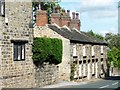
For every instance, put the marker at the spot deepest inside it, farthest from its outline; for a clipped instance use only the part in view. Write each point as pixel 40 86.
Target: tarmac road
pixel 111 83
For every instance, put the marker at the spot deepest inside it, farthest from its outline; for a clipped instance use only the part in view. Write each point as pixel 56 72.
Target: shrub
pixel 47 50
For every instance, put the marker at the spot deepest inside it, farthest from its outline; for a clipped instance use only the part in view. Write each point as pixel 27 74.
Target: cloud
pixel 93 5
pixel 104 14
pixel 111 30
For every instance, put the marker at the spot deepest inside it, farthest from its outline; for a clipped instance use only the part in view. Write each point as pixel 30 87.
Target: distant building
pixel 87 53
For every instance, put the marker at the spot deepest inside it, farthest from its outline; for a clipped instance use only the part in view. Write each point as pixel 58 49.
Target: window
pixel 2 7
pixel 93 51
pixel 102 66
pixel 84 54
pixel 84 68
pixel 80 68
pixel 19 51
pixel 74 50
pixel 93 67
pixel 101 49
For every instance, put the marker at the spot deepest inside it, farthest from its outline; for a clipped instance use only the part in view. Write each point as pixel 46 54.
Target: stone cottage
pixel 16 38
pixel 87 53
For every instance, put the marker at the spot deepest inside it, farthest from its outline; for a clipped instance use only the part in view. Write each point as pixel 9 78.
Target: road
pixel 111 82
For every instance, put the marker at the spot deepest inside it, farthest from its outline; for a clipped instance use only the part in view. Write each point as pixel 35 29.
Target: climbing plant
pixel 73 68
pixel 47 50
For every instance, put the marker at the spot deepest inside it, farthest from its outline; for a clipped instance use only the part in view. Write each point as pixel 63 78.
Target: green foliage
pixel 48 6
pixel 113 41
pixel 73 68
pixel 47 50
pixel 114 48
pixel 95 35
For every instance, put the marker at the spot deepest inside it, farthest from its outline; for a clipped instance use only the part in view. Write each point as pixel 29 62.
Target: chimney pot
pixel 77 15
pixel 73 15
pixel 68 12
pixel 58 9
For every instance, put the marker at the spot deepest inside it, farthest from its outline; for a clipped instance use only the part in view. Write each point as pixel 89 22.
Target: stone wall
pixel 16 74
pixel 46 74
pixel 64 67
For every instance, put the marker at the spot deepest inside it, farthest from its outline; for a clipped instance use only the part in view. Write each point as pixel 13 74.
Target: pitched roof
pixel 75 36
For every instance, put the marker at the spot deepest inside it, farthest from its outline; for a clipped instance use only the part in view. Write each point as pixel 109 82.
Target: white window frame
pixel 80 70
pixel 84 50
pixel 84 69
pixel 96 67
pixel 101 49
pixel 93 52
pixel 74 50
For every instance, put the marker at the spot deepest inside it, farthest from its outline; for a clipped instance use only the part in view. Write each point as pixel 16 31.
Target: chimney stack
pixel 77 15
pixel 73 15
pixel 68 12
pixel 58 9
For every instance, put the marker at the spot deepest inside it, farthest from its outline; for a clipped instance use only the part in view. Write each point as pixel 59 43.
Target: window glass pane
pixel 15 52
pixel 2 9
pixel 23 51
pixel 84 51
pixel 101 49
pixel 19 52
pixel 74 50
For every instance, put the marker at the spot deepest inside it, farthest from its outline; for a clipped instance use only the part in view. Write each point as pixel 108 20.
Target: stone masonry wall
pixel 64 67
pixel 16 74
pixel 89 60
pixel 46 74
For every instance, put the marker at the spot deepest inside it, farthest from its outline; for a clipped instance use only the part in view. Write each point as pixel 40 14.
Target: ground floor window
pixel 93 67
pixel 102 66
pixel 19 51
pixel 84 68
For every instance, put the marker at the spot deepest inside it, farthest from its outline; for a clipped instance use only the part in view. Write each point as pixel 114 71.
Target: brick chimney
pixel 58 9
pixel 41 18
pixel 75 21
pixel 73 15
pixel 55 18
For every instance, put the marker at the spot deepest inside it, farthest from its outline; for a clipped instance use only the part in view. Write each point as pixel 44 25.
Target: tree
pixel 95 35
pixel 114 48
pixel 113 41
pixel 48 6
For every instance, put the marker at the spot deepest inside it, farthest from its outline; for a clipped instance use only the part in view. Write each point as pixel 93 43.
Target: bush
pixel 47 50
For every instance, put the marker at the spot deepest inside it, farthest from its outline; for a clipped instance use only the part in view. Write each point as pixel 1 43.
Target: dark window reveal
pixel 19 51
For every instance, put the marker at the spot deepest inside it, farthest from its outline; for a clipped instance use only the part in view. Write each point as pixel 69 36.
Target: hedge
pixel 47 50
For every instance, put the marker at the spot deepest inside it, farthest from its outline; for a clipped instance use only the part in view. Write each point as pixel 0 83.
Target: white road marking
pixel 115 83
pixel 105 86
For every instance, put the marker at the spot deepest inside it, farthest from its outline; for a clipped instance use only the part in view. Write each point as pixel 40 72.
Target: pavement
pixel 109 82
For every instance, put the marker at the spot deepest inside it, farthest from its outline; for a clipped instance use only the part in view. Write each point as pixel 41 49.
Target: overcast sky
pixel 99 15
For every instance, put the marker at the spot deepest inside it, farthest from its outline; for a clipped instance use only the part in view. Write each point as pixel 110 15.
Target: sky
pixel 100 16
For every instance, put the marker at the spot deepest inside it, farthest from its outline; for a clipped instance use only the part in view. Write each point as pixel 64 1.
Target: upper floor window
pixel 101 49
pixel 93 51
pixel 84 50
pixel 74 51
pixel 2 7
